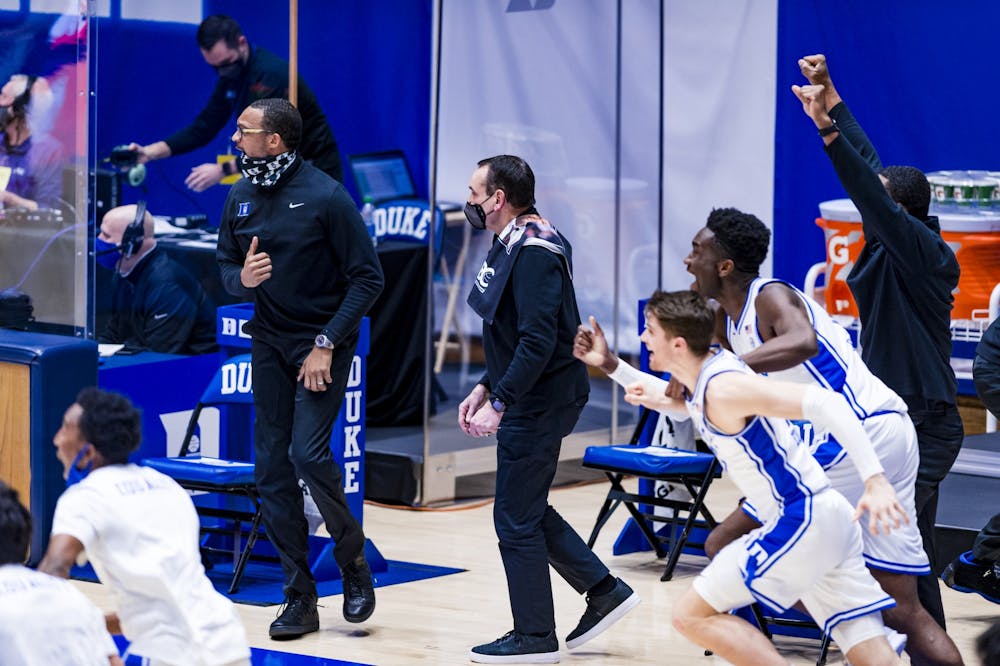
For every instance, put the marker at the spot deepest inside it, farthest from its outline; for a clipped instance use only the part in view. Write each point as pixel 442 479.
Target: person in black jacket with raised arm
pixel 292 240
pixel 902 283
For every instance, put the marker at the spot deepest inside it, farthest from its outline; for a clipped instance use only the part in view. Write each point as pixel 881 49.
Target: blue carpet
pixel 260 657
pixel 262 585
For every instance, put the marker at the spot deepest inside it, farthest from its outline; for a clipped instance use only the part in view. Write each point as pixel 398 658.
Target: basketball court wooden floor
pixel 436 621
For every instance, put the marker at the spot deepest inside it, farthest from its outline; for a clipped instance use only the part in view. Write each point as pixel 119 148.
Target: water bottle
pixel 368 215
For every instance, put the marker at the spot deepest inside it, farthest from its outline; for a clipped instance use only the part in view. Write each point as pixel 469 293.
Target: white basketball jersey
pixel 767 460
pixel 140 531
pixel 837 366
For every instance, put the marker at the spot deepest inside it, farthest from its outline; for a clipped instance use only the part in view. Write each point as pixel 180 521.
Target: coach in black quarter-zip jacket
pixel 902 282
pixel 292 239
pixel 531 397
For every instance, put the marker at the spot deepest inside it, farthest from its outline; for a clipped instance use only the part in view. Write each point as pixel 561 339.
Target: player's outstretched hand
pixel 885 513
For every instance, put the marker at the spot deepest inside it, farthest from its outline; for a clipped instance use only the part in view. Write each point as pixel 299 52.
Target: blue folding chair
pixel 792 622
pixel 231 385
pixel 694 470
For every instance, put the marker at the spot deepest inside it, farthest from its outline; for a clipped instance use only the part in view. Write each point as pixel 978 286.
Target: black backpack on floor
pixel 15 309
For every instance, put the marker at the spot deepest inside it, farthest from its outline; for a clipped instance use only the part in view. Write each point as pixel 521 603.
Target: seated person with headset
pixel 34 160
pixel 157 304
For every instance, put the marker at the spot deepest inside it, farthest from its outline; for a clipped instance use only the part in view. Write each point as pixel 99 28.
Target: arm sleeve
pixel 205 125
pixel 353 251
pixel 537 284
pixel 851 129
pixel 485 380
pixel 831 411
pixel 112 331
pixel 626 375
pixel 911 244
pixel 229 254
pixel 118 329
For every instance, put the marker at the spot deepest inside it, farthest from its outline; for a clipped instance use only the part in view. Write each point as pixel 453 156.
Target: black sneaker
pixel 965 574
pixel 296 617
pixel 515 648
pixel 602 612
pixel 359 593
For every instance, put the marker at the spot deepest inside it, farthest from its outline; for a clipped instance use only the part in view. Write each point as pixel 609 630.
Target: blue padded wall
pixel 919 76
pixel 59 367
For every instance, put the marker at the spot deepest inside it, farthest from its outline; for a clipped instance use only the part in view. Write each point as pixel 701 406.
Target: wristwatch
pixel 498 405
pixel 324 342
pixel 827 131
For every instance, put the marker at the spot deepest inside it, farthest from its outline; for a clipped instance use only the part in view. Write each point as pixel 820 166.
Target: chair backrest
pixel 640 425
pixel 409 221
pixel 231 384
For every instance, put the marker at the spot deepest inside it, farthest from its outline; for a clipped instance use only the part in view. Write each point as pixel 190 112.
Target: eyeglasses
pixel 240 131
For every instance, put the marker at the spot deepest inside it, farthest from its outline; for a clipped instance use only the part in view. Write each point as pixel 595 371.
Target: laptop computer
pixel 384 176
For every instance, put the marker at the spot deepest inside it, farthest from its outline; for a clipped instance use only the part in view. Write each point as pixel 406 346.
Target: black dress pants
pixel 292 430
pixel 532 534
pixel 939 438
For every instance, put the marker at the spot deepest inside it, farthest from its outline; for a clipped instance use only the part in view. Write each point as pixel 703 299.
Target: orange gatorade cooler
pixel 973 235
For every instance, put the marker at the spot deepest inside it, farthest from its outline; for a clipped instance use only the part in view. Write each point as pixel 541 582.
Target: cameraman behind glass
pixel 246 74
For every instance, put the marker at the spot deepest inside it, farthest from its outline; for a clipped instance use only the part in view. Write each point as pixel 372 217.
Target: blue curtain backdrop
pixel 368 63
pixel 919 75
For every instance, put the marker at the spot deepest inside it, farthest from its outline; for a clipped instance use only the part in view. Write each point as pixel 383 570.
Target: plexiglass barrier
pixel 44 114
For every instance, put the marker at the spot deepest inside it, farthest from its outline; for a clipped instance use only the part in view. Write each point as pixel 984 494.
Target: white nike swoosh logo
pixel 291 205
pixel 161 315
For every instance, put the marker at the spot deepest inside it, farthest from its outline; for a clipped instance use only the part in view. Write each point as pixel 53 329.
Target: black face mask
pixel 475 214
pixel 232 71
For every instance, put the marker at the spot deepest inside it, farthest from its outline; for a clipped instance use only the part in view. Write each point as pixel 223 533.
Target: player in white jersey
pixel 139 529
pixel 808 547
pixel 778 330
pixel 44 621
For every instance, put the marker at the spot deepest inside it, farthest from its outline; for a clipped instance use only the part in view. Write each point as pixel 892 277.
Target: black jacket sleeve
pixel 851 130
pixel 353 251
pixel 911 244
pixel 537 289
pixel 117 328
pixel 112 331
pixel 229 254
pixel 206 124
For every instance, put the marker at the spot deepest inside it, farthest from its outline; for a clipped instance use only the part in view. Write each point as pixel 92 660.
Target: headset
pixel 21 102
pixel 135 233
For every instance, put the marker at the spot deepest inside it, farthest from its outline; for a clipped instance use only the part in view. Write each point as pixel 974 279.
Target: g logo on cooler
pixel 837 250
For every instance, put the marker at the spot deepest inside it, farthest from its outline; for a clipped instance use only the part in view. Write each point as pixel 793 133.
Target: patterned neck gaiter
pixel 265 171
